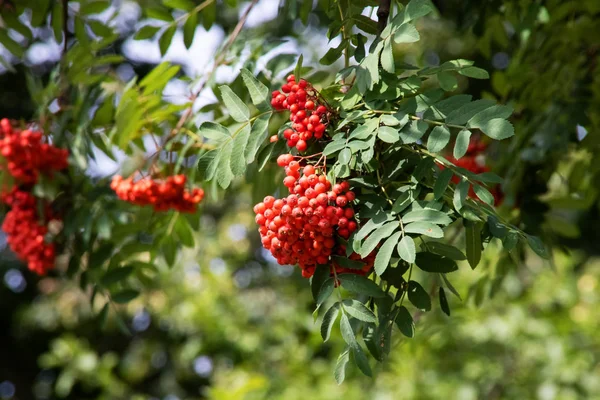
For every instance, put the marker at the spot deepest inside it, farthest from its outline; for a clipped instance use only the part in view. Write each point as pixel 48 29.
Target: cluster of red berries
pixel 474 161
pixel 25 158
pixel 26 155
pixel 302 227
pixel 25 235
pixel 161 195
pixel 309 118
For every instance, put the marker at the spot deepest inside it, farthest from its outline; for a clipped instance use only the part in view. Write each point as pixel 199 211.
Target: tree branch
pixel 383 13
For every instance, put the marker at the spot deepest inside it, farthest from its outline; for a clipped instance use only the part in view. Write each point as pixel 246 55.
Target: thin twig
pixel 218 61
pixel 383 12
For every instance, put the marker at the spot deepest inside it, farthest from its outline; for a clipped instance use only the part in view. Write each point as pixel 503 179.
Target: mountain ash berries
pixel 303 228
pixel 26 157
pixel 308 115
pixel 161 195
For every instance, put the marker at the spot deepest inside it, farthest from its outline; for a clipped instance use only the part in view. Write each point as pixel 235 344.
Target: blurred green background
pixel 227 323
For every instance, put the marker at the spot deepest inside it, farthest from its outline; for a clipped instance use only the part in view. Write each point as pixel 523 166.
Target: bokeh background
pixel 228 323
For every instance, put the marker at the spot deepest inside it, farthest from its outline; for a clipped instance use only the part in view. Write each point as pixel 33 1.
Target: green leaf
pixel 424 228
pixel 325 291
pixel 185 5
pixel 417 9
pixel 357 310
pixel 374 238
pixel 237 108
pixel 427 215
pixel 489 177
pixel 462 143
pixel 346 329
pixel 444 302
pixel 438 139
pixel 465 112
pixel 537 246
pixel 498 129
pixel 319 277
pixel 334 146
pixel 510 240
pixel 15 48
pixel 483 194
pixel 430 262
pixel 347 263
pixel 387 58
pixel 473 242
pixel 116 275
pixel 418 296
pixel 460 195
pixel 369 227
pixel 447 81
pixel 259 93
pixel 39 12
pixel 405 323
pixel 57 22
pixel 258 134
pixel 388 134
pixel 345 156
pixel 406 33
pixel 497 111
pixel 189 29
pixel 214 131
pixel 164 42
pixel 441 183
pixel 146 32
pixel 474 72
pixel 404 200
pixel 184 232
pixel 125 296
pixel 413 131
pixel 223 168
pixel 446 250
pixel 240 141
pixel 450 287
pixel 298 69
pixel 382 260
pixel 328 320
pixel 361 360
pixel 340 366
pixel 94 7
pixel 406 249
pixel 360 284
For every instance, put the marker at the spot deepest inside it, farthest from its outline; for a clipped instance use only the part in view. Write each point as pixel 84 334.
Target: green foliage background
pixel 526 328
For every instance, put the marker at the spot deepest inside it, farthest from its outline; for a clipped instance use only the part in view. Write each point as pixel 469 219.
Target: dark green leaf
pixel 361 360
pixel 418 296
pixel 116 275
pixel 189 29
pixel 360 284
pixel 473 242
pixel 441 183
pixel 450 287
pixel 537 246
pixel 510 241
pixel 460 195
pixel 446 250
pixel 484 194
pixel 430 262
pixel 348 263
pixel 405 322
pixel 165 39
pixel 466 111
pixel 444 302
pixel 125 296
pixel 447 81
pixel 146 32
